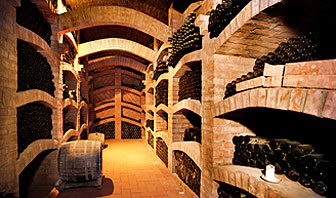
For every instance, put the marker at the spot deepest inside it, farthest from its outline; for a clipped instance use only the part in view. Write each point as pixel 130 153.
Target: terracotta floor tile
pixel 131 170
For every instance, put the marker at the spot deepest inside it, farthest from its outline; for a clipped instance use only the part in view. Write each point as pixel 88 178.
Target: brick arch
pixel 316 102
pixel 192 149
pixel 113 119
pixel 112 15
pixel 116 60
pixel 116 44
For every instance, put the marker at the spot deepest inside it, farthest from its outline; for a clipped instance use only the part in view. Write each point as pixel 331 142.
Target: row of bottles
pixel 223 14
pixel 299 162
pixel 150 124
pixel 107 128
pixel 161 68
pixel 130 131
pixel 193 134
pixel 34 71
pixel 161 93
pixel 188 171
pixel 162 150
pixel 30 17
pixel 185 40
pixel 190 84
pixel 303 48
pixel 33 123
pixel 227 191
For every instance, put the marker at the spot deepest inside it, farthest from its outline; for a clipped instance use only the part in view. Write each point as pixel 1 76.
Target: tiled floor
pixel 132 169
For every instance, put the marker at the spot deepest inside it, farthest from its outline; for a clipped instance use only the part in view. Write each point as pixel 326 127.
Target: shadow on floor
pixel 107 189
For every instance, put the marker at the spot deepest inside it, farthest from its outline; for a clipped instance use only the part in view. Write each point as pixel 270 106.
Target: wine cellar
pixel 200 98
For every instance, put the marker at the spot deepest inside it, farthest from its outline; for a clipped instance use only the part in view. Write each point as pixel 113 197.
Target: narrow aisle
pixel 132 169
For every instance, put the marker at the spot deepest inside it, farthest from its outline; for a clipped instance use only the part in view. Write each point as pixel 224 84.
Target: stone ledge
pixel 181 66
pixel 69 102
pixel 317 102
pixel 116 44
pixel 161 108
pixel 35 95
pixel 39 44
pixel 162 77
pixel 250 10
pixel 248 178
pixel 69 134
pixel 32 151
pixel 188 104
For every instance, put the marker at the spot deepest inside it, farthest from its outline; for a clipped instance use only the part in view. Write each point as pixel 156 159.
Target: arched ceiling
pixel 133 24
pixel 154 8
pixel 115 31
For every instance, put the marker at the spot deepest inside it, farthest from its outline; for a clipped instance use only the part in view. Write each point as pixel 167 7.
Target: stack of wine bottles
pixel 161 68
pixel 34 71
pixel 227 191
pixel 150 124
pixel 107 128
pixel 193 134
pixel 130 131
pixel 298 161
pixel 67 125
pixel 161 93
pixel 33 123
pixel 162 150
pixel 30 17
pixel 303 48
pixel 188 171
pixel 185 40
pixel 190 85
pixel 223 14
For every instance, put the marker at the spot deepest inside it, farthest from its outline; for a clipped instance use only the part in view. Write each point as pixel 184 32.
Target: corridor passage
pixel 132 169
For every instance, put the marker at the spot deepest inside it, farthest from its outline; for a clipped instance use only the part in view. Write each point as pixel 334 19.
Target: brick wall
pixel 8 70
pixel 180 123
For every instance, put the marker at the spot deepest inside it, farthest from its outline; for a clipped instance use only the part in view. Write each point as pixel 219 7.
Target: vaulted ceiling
pixel 115 31
pixel 157 9
pixel 154 8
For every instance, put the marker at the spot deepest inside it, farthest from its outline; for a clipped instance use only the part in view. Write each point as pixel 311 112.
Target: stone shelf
pixel 288 89
pixel 188 104
pixel 34 149
pixel 35 95
pixel 248 178
pixel 182 66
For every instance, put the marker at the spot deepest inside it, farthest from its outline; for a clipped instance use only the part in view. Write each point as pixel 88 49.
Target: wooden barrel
pixel 80 161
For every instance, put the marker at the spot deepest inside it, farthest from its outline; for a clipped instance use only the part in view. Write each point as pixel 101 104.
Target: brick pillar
pixel 8 86
pixel 117 108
